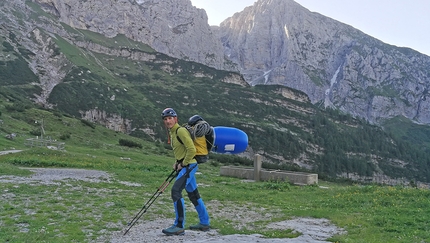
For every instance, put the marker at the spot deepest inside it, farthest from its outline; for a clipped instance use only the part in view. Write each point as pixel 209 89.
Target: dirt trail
pixel 9 151
pixel 313 231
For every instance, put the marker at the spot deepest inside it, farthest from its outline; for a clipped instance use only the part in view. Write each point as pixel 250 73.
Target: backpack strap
pixel 210 139
pixel 177 137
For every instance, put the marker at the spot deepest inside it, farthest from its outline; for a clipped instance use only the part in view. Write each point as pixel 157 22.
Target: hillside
pixel 272 42
pixel 92 189
pixel 123 85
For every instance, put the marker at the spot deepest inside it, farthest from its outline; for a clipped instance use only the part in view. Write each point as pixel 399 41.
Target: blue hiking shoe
pixel 199 226
pixel 174 230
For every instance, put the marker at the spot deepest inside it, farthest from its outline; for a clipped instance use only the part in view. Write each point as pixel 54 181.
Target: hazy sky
pixel 398 22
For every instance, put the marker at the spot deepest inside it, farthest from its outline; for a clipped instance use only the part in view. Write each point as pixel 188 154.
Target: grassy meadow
pixel 83 211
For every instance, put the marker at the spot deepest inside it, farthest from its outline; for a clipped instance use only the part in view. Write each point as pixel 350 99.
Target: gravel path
pixel 9 151
pixel 313 231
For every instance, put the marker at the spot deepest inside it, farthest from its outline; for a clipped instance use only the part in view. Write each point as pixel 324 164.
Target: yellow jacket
pixel 186 150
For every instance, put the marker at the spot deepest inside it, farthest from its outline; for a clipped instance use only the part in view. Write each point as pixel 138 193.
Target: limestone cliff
pixel 271 42
pixel 280 42
pixel 173 27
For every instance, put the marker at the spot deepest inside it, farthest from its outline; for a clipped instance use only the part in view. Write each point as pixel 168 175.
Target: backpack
pixel 202 135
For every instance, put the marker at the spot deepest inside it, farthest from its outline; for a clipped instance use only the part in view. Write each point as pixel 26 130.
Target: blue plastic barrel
pixel 229 140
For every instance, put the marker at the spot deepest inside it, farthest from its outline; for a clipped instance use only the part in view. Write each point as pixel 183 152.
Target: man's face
pixel 169 121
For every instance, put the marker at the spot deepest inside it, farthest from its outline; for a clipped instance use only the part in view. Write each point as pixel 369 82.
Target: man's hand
pixel 177 166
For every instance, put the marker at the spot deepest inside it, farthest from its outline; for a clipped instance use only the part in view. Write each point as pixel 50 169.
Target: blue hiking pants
pixel 186 180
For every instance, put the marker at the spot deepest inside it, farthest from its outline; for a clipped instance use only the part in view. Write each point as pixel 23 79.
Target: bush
pixel 16 107
pixel 88 123
pixel 129 143
pixel 36 132
pixel 65 136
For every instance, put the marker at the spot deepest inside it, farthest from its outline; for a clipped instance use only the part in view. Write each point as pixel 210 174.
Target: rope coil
pixel 200 129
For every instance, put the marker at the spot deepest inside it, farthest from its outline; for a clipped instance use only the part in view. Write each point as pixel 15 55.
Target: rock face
pixel 49 65
pixel 280 42
pixel 173 27
pixel 271 42
pixel 113 121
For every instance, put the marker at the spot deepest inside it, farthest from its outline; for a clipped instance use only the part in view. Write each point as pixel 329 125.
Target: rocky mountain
pixel 280 42
pixel 271 42
pixel 118 63
pixel 173 27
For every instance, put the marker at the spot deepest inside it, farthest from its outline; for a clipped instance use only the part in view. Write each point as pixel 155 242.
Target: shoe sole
pixel 175 233
pixel 200 229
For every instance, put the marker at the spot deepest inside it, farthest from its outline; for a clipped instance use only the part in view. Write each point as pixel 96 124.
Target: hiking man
pixel 186 166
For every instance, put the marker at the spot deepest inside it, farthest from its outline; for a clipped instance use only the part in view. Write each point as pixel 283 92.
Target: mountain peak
pixel 281 42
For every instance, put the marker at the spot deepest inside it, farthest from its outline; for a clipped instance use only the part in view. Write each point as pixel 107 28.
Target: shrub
pixel 16 107
pixel 88 123
pixel 57 114
pixel 129 143
pixel 36 132
pixel 65 136
pixel 276 185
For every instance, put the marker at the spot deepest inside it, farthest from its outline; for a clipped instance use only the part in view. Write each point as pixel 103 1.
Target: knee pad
pixel 176 196
pixel 194 196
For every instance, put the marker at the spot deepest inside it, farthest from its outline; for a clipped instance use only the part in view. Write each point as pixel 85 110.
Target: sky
pixel 404 23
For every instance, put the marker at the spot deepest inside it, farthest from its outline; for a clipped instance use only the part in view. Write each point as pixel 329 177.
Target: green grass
pixel 80 211
pixel 8 169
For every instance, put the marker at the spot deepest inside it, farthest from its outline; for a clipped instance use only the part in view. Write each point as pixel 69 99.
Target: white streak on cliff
pixel 327 101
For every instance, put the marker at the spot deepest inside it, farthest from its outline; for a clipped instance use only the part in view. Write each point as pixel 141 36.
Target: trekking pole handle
pixel 165 185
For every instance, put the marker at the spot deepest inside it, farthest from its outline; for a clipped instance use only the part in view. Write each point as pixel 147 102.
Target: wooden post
pixel 257 167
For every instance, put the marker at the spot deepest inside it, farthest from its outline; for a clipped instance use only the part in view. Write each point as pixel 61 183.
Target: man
pixel 186 166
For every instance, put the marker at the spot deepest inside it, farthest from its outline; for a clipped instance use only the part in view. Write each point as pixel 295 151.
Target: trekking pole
pixel 157 193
